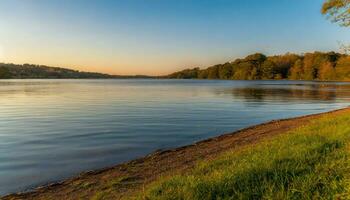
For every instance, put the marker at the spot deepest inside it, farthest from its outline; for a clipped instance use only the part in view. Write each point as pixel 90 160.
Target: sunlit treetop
pixel 338 11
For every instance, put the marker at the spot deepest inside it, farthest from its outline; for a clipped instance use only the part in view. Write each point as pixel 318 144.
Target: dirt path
pixel 125 179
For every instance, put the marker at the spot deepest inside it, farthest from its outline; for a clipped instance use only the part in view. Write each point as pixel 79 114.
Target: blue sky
pixel 159 36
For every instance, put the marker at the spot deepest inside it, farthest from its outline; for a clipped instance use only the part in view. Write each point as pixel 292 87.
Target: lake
pixel 55 129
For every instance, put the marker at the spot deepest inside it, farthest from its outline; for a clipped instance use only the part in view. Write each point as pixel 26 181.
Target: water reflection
pixel 31 87
pixel 291 93
pixel 53 129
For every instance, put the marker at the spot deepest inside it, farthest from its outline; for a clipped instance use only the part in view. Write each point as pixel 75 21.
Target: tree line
pixel 309 66
pixel 25 71
pixel 30 71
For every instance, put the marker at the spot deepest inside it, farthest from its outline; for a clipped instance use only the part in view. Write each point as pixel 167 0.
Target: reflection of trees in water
pixel 291 93
pixel 29 88
pixel 22 91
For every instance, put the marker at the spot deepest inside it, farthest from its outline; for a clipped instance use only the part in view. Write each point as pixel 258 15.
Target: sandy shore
pixel 128 178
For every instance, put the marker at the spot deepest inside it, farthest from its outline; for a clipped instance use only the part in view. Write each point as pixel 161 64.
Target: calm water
pixel 53 129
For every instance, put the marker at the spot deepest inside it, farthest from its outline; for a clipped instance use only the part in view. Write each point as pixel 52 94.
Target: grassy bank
pixel 311 161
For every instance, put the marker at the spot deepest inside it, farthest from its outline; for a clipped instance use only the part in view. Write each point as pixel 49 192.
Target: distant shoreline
pixel 315 66
pixel 136 173
pixel 184 79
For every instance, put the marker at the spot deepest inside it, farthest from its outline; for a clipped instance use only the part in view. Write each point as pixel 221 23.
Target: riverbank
pixel 133 178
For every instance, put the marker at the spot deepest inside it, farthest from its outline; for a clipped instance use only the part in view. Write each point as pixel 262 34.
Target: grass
pixel 108 189
pixel 311 162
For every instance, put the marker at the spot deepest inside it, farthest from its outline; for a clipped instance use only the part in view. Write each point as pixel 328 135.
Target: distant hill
pixel 29 71
pixel 310 66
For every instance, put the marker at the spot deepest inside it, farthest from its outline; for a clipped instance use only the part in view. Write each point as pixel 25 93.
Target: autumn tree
pixel 310 66
pixel 296 72
pixel 342 68
pixel 327 72
pixel 337 11
pixel 283 63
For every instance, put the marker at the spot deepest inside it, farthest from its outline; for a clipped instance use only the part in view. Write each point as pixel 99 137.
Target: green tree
pixel 203 74
pixel 268 70
pixel 4 73
pixel 225 71
pixel 257 58
pixel 213 72
pixel 242 71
